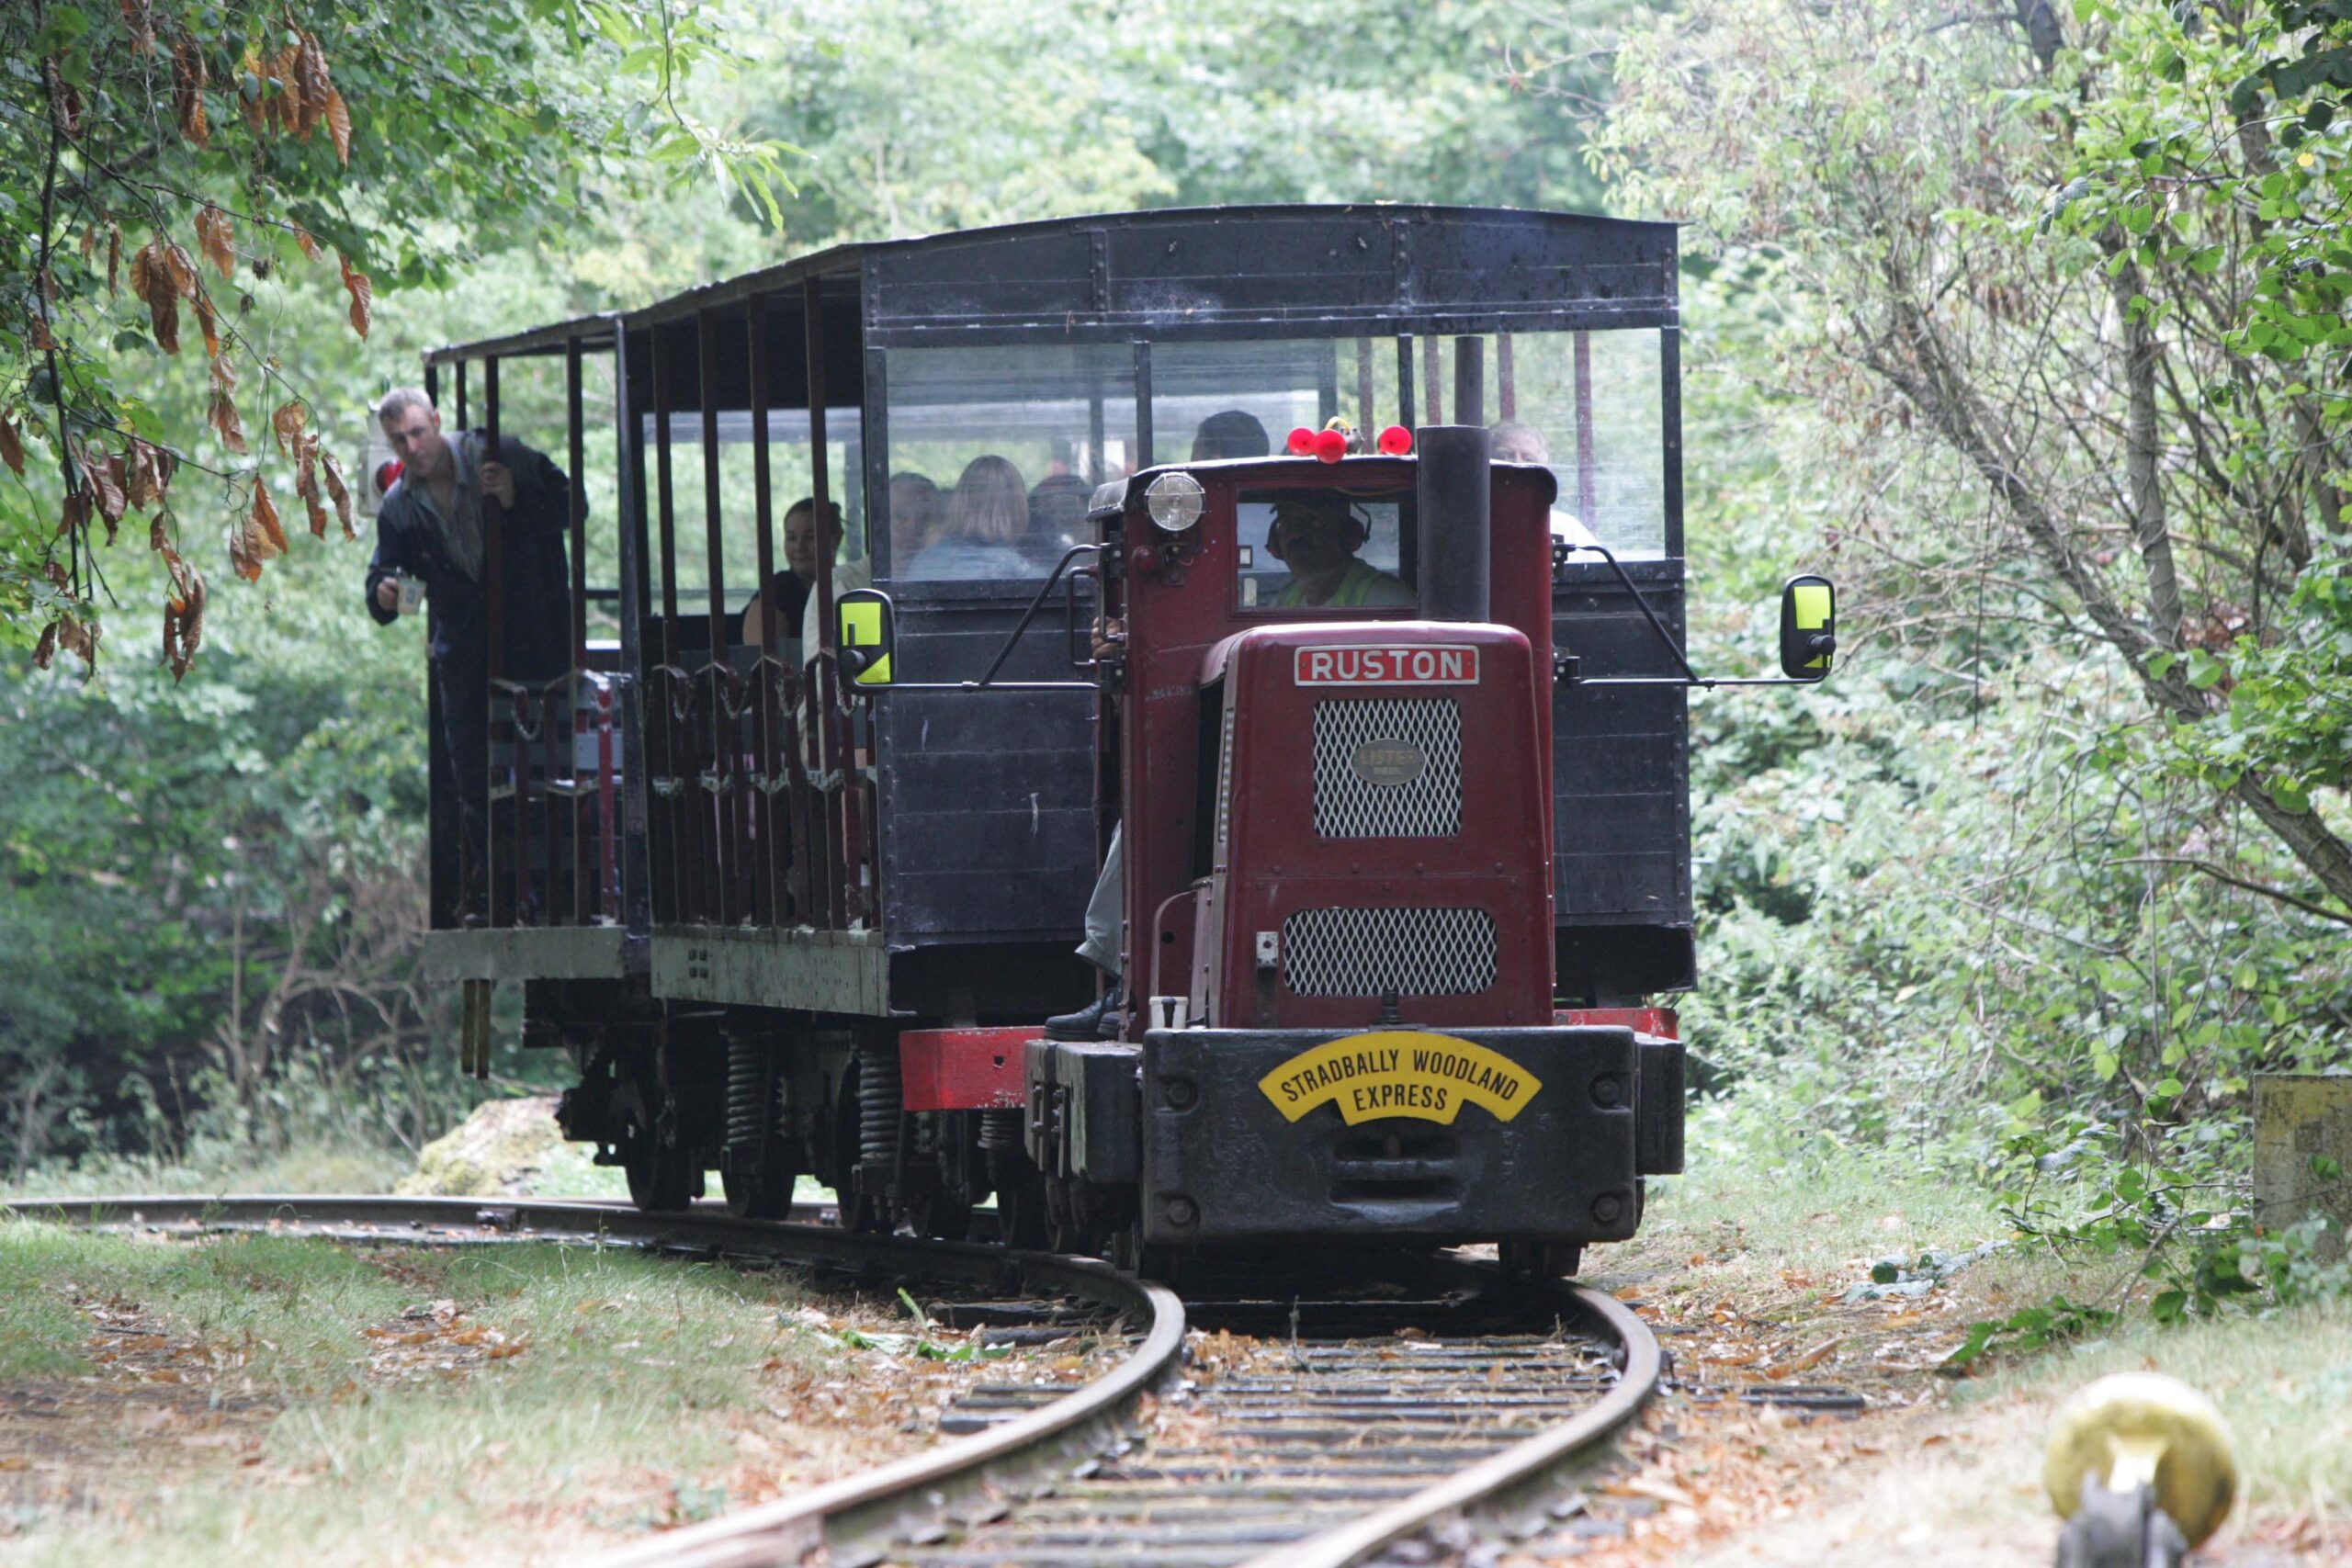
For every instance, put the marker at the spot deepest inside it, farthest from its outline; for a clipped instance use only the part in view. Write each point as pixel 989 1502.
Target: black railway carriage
pixel 787 923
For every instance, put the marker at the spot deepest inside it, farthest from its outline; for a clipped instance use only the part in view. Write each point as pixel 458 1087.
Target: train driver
pixel 1317 534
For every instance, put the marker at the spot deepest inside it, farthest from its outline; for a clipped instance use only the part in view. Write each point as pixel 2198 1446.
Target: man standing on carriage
pixel 432 531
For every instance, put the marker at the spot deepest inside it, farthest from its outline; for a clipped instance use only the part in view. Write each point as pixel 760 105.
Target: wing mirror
pixel 1808 626
pixel 862 616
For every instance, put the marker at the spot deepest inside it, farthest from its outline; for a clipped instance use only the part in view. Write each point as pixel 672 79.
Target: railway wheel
pixel 761 1194
pixel 1019 1200
pixel 661 1177
pixel 941 1214
pixel 1129 1253
pixel 1541 1260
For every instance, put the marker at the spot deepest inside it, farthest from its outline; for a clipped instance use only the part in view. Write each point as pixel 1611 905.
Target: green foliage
pixel 2183 1253
pixel 919 117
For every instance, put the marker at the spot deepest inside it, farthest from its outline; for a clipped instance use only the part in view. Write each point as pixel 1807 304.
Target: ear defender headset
pixel 1359 531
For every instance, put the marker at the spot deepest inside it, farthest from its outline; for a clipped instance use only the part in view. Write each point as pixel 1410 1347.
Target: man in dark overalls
pixel 431 527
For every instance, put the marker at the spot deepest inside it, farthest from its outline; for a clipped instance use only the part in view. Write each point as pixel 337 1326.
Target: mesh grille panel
pixel 1369 953
pixel 1388 768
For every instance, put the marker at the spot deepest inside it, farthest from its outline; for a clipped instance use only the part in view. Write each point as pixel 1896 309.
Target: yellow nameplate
pixel 1399 1072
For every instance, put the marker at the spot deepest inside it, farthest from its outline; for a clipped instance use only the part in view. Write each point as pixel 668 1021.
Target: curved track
pixel 1355 1417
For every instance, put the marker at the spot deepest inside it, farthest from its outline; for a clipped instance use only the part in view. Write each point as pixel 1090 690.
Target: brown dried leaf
pixel 12 446
pixel 264 517
pixel 209 325
pixel 90 244
pixel 74 515
pixel 188 81
pixel 214 234
pixel 41 339
pixel 149 474
pixel 45 650
pixel 151 279
pixel 104 480
pixel 181 269
pixel 339 124
pixel 286 425
pixel 55 573
pixel 241 560
pixel 302 238
pixel 337 491
pixel 192 621
pixel 140 20
pixel 220 413
pixel 362 292
pixel 65 102
pixel 306 481
pixel 310 81
pixel 114 257
pixel 81 641
pixel 285 104
pixel 183 618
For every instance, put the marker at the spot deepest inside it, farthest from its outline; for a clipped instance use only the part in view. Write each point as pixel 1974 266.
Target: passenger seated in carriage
pixel 986 519
pixel 1056 519
pixel 786 598
pixel 914 516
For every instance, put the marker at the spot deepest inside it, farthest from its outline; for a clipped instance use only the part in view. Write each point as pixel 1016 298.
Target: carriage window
pixel 994 451
pixel 1240 399
pixel 791 477
pixel 1586 405
pixel 1320 548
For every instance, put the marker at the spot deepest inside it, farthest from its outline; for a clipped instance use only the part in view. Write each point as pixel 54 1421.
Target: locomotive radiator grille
pixel 1388 768
pixel 1370 952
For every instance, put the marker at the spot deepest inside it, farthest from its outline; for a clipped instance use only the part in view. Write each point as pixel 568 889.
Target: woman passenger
pixel 986 518
pixel 914 517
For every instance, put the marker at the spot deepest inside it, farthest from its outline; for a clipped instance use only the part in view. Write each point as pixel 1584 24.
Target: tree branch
pixel 2218 875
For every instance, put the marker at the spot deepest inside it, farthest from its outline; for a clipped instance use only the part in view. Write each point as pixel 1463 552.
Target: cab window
pixel 1309 548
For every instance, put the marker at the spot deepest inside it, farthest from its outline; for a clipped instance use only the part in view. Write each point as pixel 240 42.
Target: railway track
pixel 1322 1420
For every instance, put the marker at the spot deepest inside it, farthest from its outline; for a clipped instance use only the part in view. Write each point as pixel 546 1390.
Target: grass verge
pixel 278 1400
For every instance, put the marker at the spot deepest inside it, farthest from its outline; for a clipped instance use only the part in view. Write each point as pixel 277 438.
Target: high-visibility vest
pixel 1355 589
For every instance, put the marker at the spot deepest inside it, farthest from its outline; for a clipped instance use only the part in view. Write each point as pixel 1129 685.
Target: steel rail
pixel 895 1496
pixel 1521 1463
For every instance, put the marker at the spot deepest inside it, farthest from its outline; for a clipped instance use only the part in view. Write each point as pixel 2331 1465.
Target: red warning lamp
pixel 1395 441
pixel 1302 441
pixel 1330 446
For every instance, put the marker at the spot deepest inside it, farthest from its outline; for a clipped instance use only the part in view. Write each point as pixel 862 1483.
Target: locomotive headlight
pixel 1175 501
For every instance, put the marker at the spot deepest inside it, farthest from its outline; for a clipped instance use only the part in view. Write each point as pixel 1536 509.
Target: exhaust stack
pixel 1454 503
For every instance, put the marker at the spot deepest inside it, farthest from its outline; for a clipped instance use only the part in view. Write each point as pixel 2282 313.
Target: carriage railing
pixel 554 820
pixel 762 803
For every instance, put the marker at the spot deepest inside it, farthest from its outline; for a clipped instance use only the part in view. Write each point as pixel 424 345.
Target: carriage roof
pixel 1200 273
